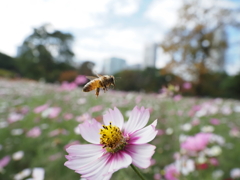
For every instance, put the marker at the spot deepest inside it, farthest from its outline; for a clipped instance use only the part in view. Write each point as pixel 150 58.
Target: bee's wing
pixel 99 75
pixel 91 77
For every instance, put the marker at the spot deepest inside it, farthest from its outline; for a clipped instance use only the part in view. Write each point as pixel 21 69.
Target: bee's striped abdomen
pixel 91 85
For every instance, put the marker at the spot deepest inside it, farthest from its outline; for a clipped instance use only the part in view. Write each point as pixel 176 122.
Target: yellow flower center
pixel 112 138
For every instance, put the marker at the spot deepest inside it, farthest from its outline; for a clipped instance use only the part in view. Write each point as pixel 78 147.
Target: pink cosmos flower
pixel 80 79
pixel 197 142
pixel 4 161
pixel 215 121
pixel 83 117
pixel 171 172
pixel 115 144
pixel 57 132
pixel 96 108
pixel 40 108
pixel 54 112
pixel 157 176
pixel 14 117
pixel 68 116
pixel 34 132
pixel 187 85
pixel 68 86
pixel 177 97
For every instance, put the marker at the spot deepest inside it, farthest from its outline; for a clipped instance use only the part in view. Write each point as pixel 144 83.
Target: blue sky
pixel 102 28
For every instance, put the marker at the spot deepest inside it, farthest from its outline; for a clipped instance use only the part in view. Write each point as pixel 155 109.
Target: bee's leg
pixel 97 91
pixel 105 88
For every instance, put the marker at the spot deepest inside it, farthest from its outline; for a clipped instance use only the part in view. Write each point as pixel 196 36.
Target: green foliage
pixel 231 86
pixel 6 73
pixel 7 62
pixel 148 80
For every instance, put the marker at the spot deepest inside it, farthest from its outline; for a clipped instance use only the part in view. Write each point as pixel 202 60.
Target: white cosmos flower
pixel 23 174
pixel 38 173
pixel 186 127
pixel 185 166
pixel 235 173
pixel 207 129
pixel 18 155
pixel 213 151
pixel 16 132
pixel 169 131
pixel 217 174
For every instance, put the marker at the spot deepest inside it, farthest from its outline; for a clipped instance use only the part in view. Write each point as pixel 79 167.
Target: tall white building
pixel 113 65
pixel 150 55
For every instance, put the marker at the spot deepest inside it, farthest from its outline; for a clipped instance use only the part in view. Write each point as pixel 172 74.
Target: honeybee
pixel 101 81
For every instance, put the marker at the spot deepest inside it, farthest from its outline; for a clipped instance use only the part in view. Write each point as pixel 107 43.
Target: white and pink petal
pixel 138 119
pixel 141 154
pixel 144 135
pixel 114 116
pixel 80 155
pixel 105 166
pixel 90 131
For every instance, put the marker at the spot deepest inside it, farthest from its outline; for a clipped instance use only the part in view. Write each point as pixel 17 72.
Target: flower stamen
pixel 112 138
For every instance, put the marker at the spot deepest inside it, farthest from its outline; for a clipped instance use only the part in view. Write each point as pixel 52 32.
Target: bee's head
pixel 112 80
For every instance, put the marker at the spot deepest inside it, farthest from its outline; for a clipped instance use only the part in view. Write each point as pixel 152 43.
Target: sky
pixel 102 28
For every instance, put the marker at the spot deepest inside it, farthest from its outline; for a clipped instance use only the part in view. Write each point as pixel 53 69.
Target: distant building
pixel 150 55
pixel 113 65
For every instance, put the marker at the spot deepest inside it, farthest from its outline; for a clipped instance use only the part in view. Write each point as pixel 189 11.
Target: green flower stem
pixel 138 172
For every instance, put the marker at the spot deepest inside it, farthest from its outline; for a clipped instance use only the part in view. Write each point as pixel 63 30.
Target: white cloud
pixel 17 18
pixel 163 12
pixel 125 7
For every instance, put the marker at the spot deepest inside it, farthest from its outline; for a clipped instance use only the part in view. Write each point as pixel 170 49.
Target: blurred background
pixel 148 43
pixel 178 58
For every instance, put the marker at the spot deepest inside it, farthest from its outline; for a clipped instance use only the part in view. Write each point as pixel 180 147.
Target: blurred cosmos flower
pixel 217 174
pixel 13 117
pixel 207 129
pixel 4 162
pixel 18 155
pixel 215 121
pixel 54 112
pixel 67 116
pixel 23 174
pixel 80 79
pixel 34 132
pixel 213 161
pixel 157 176
pixel 235 173
pixel 83 117
pixel 187 85
pixel 170 90
pixel 177 97
pixel 197 142
pixel 41 108
pixel 57 132
pixel 66 86
pixel 171 172
pixel 16 132
pixel 81 101
pixel 185 166
pixel 115 144
pixel 213 151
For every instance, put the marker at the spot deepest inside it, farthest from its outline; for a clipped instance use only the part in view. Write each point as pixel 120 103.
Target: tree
pixel 7 62
pixel 45 54
pixel 197 43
